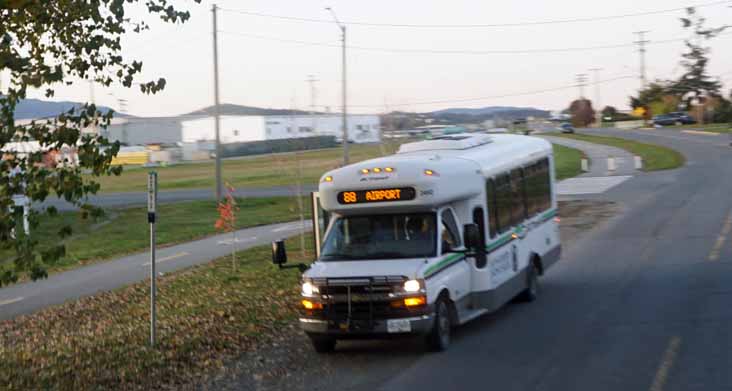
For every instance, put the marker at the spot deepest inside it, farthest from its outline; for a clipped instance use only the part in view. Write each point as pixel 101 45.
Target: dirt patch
pixel 291 363
pixel 581 216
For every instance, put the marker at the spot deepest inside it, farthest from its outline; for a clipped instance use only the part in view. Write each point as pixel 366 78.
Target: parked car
pixel 676 118
pixel 566 128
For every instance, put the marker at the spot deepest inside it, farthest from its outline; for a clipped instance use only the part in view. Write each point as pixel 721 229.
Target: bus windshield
pixel 392 236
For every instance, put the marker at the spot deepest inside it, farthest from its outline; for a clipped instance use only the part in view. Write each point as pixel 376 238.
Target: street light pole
pixel 344 91
pixel 217 114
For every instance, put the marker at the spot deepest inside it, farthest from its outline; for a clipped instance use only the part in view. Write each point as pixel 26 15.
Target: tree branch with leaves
pixel 44 44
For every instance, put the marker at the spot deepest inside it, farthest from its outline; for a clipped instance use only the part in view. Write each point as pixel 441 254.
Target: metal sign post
pixel 152 199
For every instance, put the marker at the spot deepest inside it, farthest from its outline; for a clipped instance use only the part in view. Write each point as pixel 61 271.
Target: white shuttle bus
pixel 429 238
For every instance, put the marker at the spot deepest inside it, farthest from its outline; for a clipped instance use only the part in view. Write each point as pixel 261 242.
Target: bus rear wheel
pixel 532 284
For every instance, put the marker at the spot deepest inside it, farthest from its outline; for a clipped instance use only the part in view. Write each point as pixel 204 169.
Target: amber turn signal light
pixel 415 301
pixel 310 305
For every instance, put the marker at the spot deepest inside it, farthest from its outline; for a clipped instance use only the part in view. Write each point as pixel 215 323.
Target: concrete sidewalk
pixel 29 297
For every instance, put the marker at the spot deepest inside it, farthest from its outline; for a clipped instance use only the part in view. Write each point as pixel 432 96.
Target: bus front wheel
pixel 438 339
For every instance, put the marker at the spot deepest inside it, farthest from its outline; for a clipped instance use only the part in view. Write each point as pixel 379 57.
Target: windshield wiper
pixel 389 255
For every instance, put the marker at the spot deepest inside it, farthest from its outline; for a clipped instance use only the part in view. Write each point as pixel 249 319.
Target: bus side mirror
pixel 471 235
pixel 279 257
pixel 279 254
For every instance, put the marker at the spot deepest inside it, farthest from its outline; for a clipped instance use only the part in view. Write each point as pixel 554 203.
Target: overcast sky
pixel 270 73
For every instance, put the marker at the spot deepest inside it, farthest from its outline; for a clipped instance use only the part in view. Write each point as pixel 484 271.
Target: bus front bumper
pixel 421 324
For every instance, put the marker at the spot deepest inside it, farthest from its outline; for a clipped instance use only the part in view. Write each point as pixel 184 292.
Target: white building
pixel 237 129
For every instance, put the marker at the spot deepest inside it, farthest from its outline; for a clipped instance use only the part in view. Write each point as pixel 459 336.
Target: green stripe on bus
pixel 548 215
pixel 443 263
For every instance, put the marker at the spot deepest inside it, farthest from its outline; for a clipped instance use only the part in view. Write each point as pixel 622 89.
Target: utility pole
pixel 344 91
pixel 311 79
pixel 581 80
pixel 217 114
pixel 642 50
pixel 597 105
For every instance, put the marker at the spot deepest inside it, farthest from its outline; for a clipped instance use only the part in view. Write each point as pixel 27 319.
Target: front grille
pixel 362 300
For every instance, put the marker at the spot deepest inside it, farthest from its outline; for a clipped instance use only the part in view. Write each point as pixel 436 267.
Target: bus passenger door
pixel 321 219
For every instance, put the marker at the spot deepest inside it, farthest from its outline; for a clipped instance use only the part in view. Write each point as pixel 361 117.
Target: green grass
pixel 206 315
pixel 260 171
pixel 655 157
pixel 567 161
pixel 124 231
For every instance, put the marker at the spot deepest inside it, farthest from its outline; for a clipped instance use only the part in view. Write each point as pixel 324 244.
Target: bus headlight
pixel 308 289
pixel 412 286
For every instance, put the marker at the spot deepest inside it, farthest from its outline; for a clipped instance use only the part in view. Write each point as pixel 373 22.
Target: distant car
pixel 566 128
pixel 676 118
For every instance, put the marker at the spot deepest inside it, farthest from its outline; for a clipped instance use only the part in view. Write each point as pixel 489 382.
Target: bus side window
pixel 478 218
pixel 538 187
pixel 490 192
pixel 504 203
pixel 533 188
pixel 546 181
pixel 518 199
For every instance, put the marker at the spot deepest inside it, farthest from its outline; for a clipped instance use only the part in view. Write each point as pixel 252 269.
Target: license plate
pixel 398 326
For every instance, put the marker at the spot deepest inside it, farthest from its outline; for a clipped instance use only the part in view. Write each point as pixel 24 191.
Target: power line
pixel 525 93
pixel 466 26
pixel 448 51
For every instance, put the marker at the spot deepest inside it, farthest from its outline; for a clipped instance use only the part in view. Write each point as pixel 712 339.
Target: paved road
pixel 29 297
pixel 117 200
pixel 643 302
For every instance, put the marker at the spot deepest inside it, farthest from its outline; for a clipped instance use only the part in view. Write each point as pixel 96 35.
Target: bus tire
pixel 438 339
pixel 532 284
pixel 323 344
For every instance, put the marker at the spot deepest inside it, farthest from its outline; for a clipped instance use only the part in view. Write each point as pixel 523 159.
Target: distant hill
pixel 35 108
pixel 492 111
pixel 232 109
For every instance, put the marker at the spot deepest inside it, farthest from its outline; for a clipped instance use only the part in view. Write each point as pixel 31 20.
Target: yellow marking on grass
pixel 700 132
pixel 169 258
pixel 667 362
pixel 726 229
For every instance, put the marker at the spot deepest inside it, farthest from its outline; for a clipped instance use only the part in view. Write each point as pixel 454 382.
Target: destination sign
pixel 376 195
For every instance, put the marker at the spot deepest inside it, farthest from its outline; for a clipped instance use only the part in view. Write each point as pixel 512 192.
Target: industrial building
pixel 239 129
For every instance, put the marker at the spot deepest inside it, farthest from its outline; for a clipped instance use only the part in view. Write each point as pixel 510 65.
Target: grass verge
pixel 716 128
pixel 259 171
pixel 125 231
pixel 655 157
pixel 567 161
pixel 206 315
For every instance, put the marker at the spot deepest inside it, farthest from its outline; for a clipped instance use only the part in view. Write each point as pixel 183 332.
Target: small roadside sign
pixel 152 191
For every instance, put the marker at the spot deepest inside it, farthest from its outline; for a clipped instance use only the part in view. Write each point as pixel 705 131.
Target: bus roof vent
pixel 447 142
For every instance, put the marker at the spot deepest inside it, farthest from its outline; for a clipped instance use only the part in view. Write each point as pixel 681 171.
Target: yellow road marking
pixel 726 229
pixel 702 132
pixel 169 258
pixel 11 301
pixel 667 362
